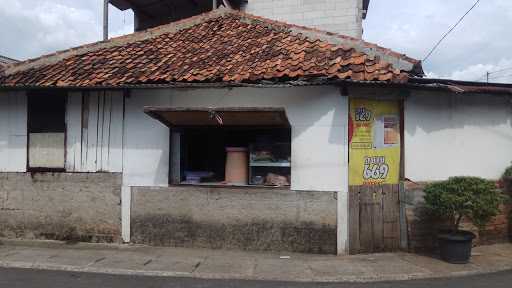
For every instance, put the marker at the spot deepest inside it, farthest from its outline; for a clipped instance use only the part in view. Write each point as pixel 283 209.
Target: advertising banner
pixel 374 142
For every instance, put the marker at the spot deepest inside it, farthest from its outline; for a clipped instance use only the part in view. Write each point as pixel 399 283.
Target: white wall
pixel 337 16
pixel 317 115
pixel 94 123
pixel 453 135
pixel 13 132
pixel 146 141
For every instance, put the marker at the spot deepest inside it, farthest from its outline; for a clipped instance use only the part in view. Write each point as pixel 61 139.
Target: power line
pixel 493 72
pixel 502 76
pixel 450 31
pixel 501 70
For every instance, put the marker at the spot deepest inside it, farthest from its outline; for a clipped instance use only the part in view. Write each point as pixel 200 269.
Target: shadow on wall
pixel 437 111
pixel 306 107
pixel 456 135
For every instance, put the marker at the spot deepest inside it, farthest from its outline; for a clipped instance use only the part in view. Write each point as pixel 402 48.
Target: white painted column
pixel 343 221
pixel 343 201
pixel 126 203
pixel 343 195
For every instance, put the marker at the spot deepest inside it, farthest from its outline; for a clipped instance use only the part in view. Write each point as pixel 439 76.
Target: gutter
pixel 453 86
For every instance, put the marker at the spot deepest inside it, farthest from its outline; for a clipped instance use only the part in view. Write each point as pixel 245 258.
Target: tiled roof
pixel 220 46
pixel 4 61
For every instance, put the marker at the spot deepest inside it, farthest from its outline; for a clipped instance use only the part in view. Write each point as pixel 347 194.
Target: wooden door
pixel 374 219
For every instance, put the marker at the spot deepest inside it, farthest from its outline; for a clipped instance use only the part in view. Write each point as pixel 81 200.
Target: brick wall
pixel 422 228
pixel 337 16
pixel 61 206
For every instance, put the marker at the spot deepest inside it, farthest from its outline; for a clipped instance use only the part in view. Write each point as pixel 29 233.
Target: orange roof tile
pixel 220 46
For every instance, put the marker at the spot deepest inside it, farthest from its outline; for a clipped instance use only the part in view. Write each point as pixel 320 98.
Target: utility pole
pixel 487 74
pixel 105 19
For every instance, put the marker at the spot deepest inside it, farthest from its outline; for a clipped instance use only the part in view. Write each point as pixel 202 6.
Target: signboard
pixel 374 142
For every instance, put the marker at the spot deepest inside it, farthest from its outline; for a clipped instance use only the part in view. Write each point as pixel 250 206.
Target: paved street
pixel 21 278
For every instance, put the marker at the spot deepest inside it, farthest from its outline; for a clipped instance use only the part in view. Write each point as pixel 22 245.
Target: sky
pixel 481 43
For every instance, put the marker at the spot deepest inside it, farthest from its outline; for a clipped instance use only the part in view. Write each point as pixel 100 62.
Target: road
pixel 24 278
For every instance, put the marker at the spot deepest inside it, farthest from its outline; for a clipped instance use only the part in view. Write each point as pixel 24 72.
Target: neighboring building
pixel 343 17
pixel 338 16
pixel 106 141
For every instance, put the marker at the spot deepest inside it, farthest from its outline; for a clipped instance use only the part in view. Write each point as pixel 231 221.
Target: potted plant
pixel 457 198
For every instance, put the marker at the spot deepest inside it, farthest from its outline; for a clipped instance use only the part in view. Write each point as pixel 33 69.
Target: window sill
pixel 218 185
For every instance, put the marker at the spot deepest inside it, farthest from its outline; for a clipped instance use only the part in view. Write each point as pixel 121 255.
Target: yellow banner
pixel 374 137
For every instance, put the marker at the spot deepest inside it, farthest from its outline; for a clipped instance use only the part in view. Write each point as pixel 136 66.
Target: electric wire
pixel 450 31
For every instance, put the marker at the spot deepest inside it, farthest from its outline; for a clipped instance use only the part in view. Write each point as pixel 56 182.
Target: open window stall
pixel 228 146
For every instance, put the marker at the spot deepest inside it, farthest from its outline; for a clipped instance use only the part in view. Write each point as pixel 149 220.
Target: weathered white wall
pixel 46 150
pixel 13 132
pixel 94 123
pixel 451 135
pixel 337 16
pixel 318 117
pixel 146 141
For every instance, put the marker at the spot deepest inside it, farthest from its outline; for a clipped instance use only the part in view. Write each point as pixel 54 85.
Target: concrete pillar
pixel 343 195
pixel 126 203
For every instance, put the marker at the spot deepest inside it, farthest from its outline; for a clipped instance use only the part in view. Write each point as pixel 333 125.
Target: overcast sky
pixel 483 42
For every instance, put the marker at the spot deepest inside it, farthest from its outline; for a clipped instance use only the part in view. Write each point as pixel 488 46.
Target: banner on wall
pixel 374 142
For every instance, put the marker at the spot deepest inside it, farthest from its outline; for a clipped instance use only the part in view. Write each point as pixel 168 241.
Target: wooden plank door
pixel 374 219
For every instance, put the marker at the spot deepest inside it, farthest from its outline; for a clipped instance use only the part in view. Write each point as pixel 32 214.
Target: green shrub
pixel 474 198
pixel 508 172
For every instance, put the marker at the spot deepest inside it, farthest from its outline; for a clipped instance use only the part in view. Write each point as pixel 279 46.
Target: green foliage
pixel 508 172
pixel 471 197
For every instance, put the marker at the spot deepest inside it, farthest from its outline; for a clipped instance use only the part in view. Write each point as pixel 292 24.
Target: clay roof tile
pixel 218 46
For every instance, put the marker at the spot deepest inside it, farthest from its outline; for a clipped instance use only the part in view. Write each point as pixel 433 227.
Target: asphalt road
pixel 24 278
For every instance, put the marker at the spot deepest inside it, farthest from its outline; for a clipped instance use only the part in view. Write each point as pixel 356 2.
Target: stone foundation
pixel 61 206
pixel 422 228
pixel 234 218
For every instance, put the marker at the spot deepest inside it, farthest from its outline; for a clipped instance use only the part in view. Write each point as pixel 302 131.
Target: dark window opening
pixel 46 130
pixel 263 155
pixel 47 113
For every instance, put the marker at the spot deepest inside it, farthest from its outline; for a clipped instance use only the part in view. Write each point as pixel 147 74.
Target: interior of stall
pixel 236 156
pixel 227 146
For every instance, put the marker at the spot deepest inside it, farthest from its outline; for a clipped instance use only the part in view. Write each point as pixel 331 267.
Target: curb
pixel 363 278
pixel 224 276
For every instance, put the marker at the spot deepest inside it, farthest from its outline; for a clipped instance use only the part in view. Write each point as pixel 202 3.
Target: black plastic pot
pixel 456 247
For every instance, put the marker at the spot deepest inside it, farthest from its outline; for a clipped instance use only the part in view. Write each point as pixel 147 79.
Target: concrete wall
pixel 13 131
pixel 337 16
pixel 457 135
pixel 63 206
pixel 251 219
